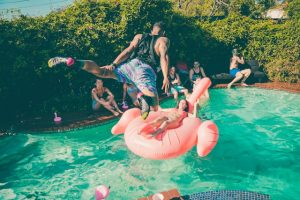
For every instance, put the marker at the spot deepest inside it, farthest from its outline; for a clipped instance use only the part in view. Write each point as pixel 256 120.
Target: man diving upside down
pixel 136 65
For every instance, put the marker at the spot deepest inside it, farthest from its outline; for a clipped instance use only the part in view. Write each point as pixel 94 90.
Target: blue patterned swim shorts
pixel 137 73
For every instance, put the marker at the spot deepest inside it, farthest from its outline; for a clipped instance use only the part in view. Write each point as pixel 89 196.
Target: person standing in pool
pixel 235 71
pixel 136 65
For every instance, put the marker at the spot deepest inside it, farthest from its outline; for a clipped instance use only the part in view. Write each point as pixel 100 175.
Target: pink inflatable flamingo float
pixel 174 142
pixel 57 120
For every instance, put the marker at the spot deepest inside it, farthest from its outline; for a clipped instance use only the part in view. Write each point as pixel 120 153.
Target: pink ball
pixel 101 192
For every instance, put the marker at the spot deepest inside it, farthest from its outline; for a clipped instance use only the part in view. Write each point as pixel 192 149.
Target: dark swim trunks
pixel 234 71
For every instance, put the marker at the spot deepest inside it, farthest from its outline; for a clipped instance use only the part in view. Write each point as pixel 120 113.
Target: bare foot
pixel 244 84
pixel 228 86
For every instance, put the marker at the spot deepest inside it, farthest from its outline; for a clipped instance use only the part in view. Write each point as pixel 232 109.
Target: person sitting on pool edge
pixel 171 120
pixel 235 71
pixel 103 96
pixel 197 72
pixel 175 86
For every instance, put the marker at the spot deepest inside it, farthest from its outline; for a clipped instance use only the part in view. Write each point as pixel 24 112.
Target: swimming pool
pixel 258 150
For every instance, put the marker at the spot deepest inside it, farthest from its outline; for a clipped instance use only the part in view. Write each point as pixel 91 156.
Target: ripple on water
pixel 258 150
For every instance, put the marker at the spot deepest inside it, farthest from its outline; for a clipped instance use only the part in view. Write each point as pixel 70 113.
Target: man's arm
pixel 164 61
pixel 124 55
pixel 240 60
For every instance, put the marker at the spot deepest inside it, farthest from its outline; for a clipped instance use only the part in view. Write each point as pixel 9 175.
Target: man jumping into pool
pixel 235 71
pixel 137 65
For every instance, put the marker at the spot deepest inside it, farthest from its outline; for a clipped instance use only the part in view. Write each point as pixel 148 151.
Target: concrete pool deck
pixel 76 120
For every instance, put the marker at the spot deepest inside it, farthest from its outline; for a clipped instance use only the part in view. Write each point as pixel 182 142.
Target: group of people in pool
pixel 137 67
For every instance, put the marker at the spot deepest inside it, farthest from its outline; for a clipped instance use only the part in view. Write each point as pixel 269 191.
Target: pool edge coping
pixel 102 120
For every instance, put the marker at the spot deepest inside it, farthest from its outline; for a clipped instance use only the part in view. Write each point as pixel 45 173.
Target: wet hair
pixel 187 105
pixel 160 25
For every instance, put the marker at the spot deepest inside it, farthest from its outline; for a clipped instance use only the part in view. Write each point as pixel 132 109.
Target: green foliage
pixel 284 70
pixel 205 8
pixel 99 30
pixel 294 9
pixel 270 40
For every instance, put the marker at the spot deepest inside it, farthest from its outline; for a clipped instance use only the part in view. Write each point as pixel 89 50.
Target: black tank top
pixel 145 51
pixel 197 74
pixel 172 79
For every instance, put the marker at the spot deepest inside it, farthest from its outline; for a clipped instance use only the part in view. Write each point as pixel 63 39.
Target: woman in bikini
pixel 103 96
pixel 172 119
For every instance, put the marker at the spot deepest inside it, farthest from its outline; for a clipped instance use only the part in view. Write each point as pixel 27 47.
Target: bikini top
pixel 104 94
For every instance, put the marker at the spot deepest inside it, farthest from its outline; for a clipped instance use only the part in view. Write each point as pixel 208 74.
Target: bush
pixel 283 70
pixel 99 30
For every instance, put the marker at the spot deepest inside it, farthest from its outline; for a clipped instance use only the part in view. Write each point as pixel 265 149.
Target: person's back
pixel 145 50
pixel 148 49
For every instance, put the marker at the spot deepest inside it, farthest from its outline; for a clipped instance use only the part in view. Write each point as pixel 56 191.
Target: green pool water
pixel 258 150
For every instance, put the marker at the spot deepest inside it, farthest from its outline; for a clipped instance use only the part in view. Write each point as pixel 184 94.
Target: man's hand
pixel 109 67
pixel 166 85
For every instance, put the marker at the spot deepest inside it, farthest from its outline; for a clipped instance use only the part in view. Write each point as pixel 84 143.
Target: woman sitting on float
pixel 168 134
pixel 172 119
